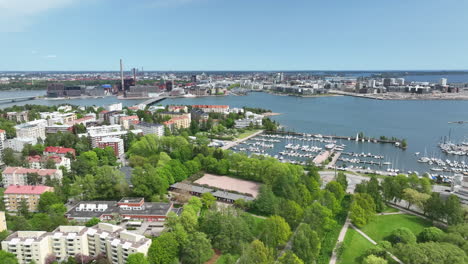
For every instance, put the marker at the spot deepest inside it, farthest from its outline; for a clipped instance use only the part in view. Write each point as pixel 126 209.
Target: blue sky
pixel 233 34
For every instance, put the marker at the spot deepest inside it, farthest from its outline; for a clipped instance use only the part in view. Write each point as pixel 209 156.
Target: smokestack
pixel 121 74
pixel 134 74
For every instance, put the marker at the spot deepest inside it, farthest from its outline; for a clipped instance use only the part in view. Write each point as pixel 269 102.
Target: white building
pixel 17 144
pixel 150 128
pixel 2 145
pixel 66 241
pixel 33 129
pixel 443 82
pixel 19 175
pixel 114 107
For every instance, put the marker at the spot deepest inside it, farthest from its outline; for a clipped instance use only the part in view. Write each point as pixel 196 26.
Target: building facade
pixel 19 175
pixel 15 194
pixel 151 128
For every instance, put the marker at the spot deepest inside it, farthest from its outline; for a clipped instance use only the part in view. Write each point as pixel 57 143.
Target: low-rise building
pixel 177 108
pixel 19 175
pixel 127 121
pixel 177 120
pixel 151 128
pixel 15 194
pixel 53 129
pixel 17 144
pixel 127 208
pixel 38 162
pixel 112 241
pixel 59 151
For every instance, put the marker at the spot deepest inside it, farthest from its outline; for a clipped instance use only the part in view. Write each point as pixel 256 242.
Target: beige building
pixel 3 225
pixel 14 194
pixel 111 240
pixel 177 120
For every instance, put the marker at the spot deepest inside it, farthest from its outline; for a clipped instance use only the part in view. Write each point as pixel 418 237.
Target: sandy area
pixel 229 183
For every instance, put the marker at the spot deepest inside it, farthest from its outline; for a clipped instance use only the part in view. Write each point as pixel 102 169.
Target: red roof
pixel 35 158
pixel 2 131
pixel 59 150
pixel 129 117
pixel 27 189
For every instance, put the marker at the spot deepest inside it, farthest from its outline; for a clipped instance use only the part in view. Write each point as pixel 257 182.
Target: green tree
pixel 9 158
pixel 137 258
pixel 306 243
pixel 453 210
pixel 276 231
pixel 197 250
pixel 208 200
pixel 257 253
pixel 341 179
pixel 337 189
pixel 46 200
pixel 319 218
pixel 8 258
pixel 291 212
pixel 430 234
pixel 164 249
pixel 266 202
pixel 434 207
pixel 362 209
pixel 92 222
pixel 402 235
pixel 23 208
pixel 413 197
pixel 371 259
pixel 290 258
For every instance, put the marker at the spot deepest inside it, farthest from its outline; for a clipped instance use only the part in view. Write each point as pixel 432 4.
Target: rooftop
pixel 27 189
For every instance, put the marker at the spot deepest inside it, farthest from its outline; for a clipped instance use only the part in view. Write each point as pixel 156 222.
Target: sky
pixel 269 35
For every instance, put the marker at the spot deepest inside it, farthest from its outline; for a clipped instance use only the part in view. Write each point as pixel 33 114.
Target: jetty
pixel 17 99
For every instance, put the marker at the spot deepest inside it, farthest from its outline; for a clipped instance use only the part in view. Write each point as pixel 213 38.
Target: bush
pixel 402 235
pixel 430 234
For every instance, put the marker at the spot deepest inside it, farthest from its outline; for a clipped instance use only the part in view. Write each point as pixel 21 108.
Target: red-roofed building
pixel 212 108
pixel 14 194
pixel 59 151
pixel 38 162
pixel 177 108
pixel 84 120
pixel 19 175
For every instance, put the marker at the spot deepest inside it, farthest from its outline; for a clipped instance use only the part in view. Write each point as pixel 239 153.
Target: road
pixel 353 180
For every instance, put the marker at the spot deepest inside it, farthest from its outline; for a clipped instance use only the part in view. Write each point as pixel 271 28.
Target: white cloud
pixel 18 14
pixel 50 56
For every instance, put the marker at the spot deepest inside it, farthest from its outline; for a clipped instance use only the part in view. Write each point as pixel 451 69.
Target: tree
pixel 434 207
pixel 453 210
pixel 341 179
pixel 197 250
pixel 430 234
pixel 414 197
pixel 92 222
pixel 46 200
pixel 337 189
pixel 362 209
pixel 208 200
pixel 137 258
pixel 319 218
pixel 50 164
pixel 164 249
pixel 266 202
pixel 402 235
pixel 371 259
pixel 9 158
pixel 8 258
pixel 306 243
pixel 23 208
pixel 290 258
pixel 257 253
pixel 291 212
pixel 276 231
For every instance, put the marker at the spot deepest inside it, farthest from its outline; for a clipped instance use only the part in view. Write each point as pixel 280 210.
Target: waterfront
pixel 422 123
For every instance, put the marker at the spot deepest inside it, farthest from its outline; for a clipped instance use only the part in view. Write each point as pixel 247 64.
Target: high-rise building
pixel 169 86
pixel 193 79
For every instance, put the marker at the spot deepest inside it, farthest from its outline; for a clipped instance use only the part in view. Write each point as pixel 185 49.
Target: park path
pixel 392 213
pixel 374 243
pixel 341 236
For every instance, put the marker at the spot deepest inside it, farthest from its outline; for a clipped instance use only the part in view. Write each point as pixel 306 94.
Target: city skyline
pixel 208 35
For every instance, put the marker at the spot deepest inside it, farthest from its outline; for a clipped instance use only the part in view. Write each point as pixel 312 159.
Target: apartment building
pixel 14 194
pixel 58 118
pixel 3 224
pixel 151 128
pixel 117 144
pixel 18 117
pixel 66 241
pixel 177 108
pixel 104 129
pixel 2 144
pixel 212 108
pixel 127 121
pixel 17 144
pixel 84 120
pixel 19 175
pixel 33 129
pixel 38 162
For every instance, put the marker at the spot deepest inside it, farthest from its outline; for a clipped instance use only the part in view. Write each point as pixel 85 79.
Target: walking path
pixel 374 243
pixel 344 229
pixel 237 141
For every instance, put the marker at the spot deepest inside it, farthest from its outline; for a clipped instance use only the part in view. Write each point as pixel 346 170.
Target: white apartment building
pixel 17 144
pixel 150 128
pixel 33 129
pixel 114 107
pixel 2 144
pixel 19 175
pixel 104 129
pixel 111 240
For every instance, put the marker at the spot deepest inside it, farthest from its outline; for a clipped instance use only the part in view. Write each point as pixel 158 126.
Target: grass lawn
pixel 389 209
pixel 354 247
pixel 222 259
pixel 247 133
pixel 382 225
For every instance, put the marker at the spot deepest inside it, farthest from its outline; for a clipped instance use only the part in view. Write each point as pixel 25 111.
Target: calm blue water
pixel 421 123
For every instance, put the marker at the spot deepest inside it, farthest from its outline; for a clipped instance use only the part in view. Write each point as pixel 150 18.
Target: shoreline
pixel 408 97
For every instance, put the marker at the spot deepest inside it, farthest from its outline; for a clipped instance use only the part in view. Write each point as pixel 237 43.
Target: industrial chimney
pixel 121 75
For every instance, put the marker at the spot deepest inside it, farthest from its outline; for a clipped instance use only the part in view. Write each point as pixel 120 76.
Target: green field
pixel 247 133
pixel 222 259
pixel 382 225
pixel 354 247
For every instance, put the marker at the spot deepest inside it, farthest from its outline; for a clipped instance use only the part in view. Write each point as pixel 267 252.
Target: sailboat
pixel 357 137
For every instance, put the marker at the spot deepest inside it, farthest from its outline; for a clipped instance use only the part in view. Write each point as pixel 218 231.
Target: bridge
pixel 153 100
pixel 16 99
